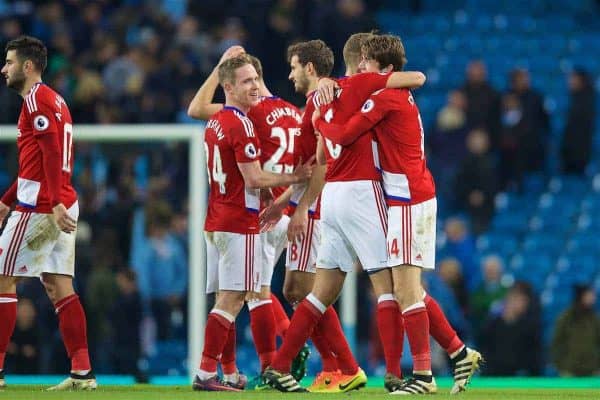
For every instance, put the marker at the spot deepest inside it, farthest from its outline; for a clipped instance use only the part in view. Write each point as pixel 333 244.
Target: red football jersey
pixel 229 139
pixel 277 126
pixel 44 112
pixel 306 147
pixel 356 161
pixel 399 133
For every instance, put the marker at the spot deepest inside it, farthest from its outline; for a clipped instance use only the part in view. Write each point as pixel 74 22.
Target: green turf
pixel 481 388
pixel 151 392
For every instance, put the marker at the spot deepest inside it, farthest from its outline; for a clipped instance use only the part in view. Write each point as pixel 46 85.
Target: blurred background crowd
pixel 511 122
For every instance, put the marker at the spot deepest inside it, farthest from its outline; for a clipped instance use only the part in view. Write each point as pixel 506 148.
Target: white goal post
pixel 198 194
pixel 194 135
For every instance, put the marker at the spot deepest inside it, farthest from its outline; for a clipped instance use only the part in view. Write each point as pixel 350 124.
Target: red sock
pixel 330 327
pixel 440 328
pixel 228 357
pixel 8 316
pixel 215 337
pixel 401 330
pixel 391 334
pixel 282 321
pixel 304 320
pixel 416 324
pixel 72 325
pixel 327 357
pixel 262 325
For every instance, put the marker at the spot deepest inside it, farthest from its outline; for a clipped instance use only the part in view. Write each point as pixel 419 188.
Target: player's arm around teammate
pixel 202 105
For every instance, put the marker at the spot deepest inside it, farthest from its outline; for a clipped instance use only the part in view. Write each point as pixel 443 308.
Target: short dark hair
pixel 315 52
pixel 385 49
pixel 30 48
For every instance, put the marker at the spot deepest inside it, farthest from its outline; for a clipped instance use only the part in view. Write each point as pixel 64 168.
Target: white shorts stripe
pixel 15 244
pixel 381 208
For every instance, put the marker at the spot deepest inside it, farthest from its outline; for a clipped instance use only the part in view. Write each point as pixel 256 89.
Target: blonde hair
pixel 228 67
pixel 352 48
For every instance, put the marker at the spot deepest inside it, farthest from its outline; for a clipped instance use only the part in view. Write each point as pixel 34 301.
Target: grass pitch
pixel 154 392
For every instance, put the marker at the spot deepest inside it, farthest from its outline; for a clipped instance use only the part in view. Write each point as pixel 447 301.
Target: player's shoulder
pixel 42 95
pixel 233 118
pixel 400 96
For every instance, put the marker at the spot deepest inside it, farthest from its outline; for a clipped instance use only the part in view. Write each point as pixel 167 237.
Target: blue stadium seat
pixel 497 242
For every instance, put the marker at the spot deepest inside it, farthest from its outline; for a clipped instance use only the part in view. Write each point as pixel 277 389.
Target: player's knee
pixel 407 296
pixel 294 293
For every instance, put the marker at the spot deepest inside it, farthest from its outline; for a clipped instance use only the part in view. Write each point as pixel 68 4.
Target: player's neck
pixel 312 85
pixel 242 107
pixel 29 84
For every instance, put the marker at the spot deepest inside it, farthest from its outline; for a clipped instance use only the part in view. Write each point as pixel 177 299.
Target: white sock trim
pixel 417 305
pixel 223 314
pixel 252 304
pixel 316 302
pixel 386 297
pixel 8 300
pixel 204 375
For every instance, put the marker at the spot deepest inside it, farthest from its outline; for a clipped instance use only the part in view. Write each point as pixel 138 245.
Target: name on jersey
pixel 283 112
pixel 215 126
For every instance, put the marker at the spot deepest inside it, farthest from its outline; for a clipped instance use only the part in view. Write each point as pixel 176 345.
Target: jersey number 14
pixel 215 173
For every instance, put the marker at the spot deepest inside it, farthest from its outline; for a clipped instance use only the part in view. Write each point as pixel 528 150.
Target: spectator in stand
pixel 23 353
pixel 162 269
pixel 513 155
pixel 446 143
pixel 475 184
pixel 576 147
pixel 483 101
pixel 536 117
pixel 490 291
pixel 125 319
pixel 459 244
pixel 576 343
pixel 450 271
pixel 511 340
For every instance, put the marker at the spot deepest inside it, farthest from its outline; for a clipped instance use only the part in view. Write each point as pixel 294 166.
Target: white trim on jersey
pixel 248 127
pixel 30 100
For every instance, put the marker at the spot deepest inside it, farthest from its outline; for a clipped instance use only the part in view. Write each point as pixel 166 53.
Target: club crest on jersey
pixel 250 151
pixel 368 106
pixel 41 123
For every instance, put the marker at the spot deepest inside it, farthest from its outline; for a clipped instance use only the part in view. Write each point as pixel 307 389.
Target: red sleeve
pixel 10 196
pixel 370 114
pixel 366 83
pixel 52 165
pixel 43 114
pixel 246 146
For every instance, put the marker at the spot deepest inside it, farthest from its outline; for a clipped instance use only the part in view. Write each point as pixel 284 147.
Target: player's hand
pixel 231 52
pixel 326 89
pixel 63 219
pixel 4 210
pixel 266 197
pixel 315 116
pixel 303 172
pixel 270 216
pixel 297 225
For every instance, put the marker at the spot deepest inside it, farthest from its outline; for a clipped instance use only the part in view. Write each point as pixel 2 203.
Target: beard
pixel 302 85
pixel 17 82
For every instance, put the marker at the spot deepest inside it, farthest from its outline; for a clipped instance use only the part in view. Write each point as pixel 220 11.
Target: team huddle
pixel 343 184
